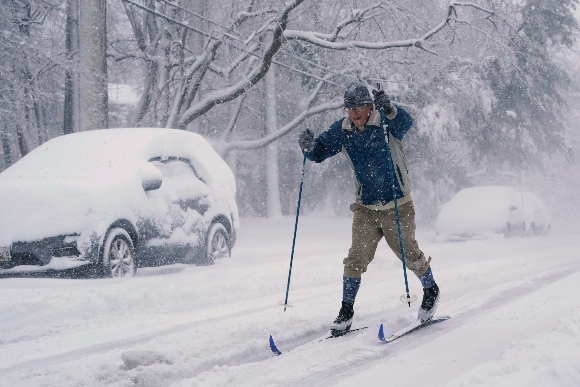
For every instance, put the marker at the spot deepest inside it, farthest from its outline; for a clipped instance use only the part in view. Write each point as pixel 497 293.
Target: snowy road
pixel 514 307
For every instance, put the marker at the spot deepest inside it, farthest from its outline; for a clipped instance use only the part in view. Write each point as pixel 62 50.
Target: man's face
pixel 359 115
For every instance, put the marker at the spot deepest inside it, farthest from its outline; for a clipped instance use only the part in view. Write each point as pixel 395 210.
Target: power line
pixel 192 13
pixel 231 45
pixel 167 18
pixel 239 39
pixel 292 55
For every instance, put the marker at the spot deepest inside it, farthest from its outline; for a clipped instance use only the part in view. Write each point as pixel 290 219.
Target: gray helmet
pixel 357 94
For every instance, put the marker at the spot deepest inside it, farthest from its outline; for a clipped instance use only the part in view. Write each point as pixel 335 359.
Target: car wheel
pixel 507 230
pixel 217 244
pixel 118 259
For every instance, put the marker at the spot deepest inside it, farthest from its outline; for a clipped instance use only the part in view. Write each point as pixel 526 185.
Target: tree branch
pixel 256 144
pixel 230 93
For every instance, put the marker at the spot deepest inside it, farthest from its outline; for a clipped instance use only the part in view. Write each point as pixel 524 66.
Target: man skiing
pixel 362 139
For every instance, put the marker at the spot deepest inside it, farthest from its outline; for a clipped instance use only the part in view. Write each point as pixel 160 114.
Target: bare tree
pixel 184 80
pixel 29 71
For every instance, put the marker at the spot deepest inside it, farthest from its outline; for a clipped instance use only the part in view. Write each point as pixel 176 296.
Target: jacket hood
pixel 374 119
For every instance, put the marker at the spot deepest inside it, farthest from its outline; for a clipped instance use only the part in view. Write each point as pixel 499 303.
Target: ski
pixel 410 328
pixel 342 333
pixel 276 351
pixel 273 347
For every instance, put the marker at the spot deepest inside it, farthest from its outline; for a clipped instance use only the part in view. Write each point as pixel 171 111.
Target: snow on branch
pixel 472 5
pixel 330 40
pixel 255 74
pixel 224 149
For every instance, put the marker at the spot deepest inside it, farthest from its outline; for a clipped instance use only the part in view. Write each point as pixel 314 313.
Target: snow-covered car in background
pixel 116 199
pixel 491 212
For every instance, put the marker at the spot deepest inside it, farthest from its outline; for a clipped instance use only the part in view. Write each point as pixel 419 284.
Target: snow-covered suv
pixel 117 199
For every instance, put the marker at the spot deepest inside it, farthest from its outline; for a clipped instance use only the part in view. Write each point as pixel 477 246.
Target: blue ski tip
pixel 273 347
pixel 381 334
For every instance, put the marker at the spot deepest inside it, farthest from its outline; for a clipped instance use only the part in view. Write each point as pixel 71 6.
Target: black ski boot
pixel 344 320
pixel 429 304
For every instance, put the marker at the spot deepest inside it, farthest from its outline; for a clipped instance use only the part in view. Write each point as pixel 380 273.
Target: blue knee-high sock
pixel 427 279
pixel 349 289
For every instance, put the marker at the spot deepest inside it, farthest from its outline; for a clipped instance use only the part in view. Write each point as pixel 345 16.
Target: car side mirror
pixel 151 184
pixel 151 177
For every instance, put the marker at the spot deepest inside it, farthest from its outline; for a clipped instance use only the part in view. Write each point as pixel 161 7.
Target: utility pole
pixel 93 65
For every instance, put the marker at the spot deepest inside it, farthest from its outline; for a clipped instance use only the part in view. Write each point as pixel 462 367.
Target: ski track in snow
pixel 120 344
pixel 221 339
pixel 365 359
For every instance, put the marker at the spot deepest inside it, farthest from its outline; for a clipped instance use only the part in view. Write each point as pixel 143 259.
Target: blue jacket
pixel 367 153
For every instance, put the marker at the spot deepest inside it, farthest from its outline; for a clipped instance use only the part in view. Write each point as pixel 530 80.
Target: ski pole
pixel 400 232
pixel 295 229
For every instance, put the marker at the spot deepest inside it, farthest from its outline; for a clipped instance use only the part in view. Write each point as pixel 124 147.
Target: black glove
pixel 306 140
pixel 382 101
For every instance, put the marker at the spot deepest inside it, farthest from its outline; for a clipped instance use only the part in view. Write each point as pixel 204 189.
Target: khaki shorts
pixel 370 226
